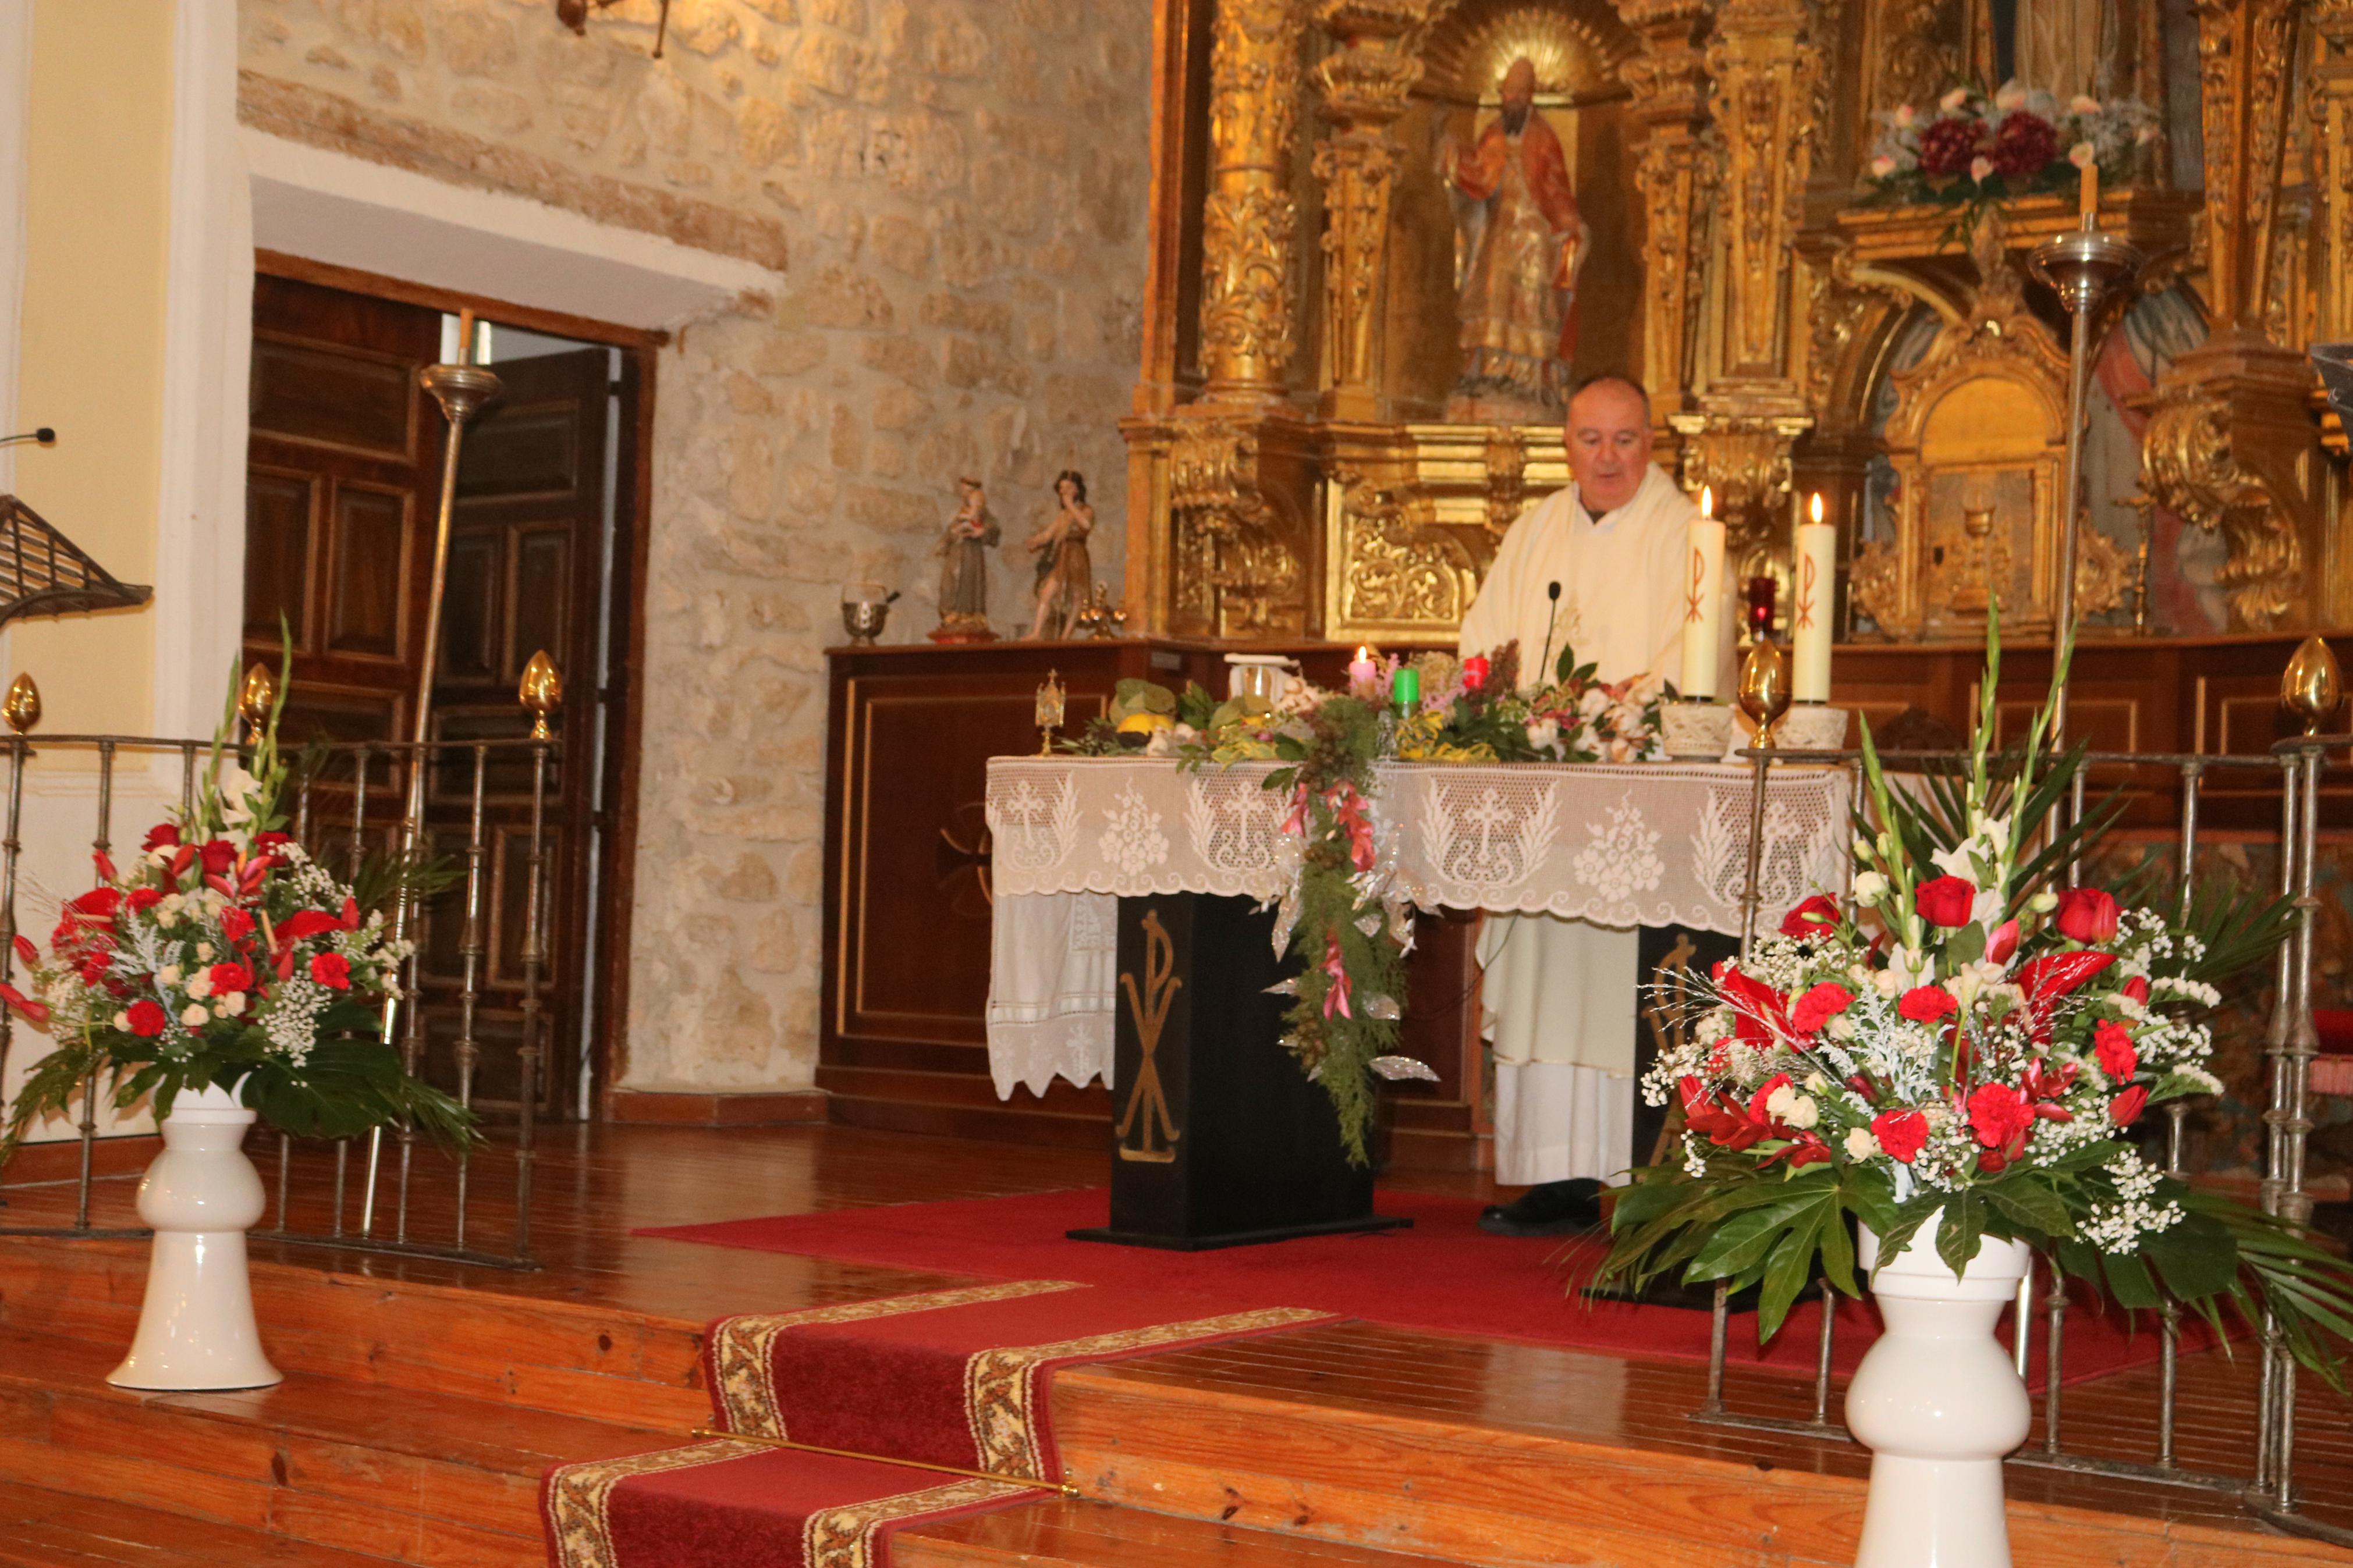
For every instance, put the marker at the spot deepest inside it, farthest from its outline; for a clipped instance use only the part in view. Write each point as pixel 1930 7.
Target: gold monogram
pixel 1148 1103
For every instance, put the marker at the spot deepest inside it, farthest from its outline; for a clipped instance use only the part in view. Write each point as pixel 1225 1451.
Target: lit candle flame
pixel 1364 654
pixel 1817 506
pixel 1707 500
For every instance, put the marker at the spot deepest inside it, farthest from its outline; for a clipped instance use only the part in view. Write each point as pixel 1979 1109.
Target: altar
pixel 1125 888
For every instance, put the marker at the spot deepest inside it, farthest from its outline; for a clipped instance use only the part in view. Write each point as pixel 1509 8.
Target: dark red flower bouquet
pixel 223 955
pixel 1972 1043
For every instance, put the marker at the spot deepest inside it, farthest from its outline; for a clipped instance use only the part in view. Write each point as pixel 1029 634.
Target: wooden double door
pixel 343 483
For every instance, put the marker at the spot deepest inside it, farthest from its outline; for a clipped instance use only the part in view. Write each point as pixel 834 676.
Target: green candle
pixel 1406 690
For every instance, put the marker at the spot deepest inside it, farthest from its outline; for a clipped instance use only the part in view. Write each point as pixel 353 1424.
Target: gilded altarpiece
pixel 1389 234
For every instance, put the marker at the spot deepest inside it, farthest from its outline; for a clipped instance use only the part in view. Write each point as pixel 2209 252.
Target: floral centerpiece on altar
pixel 223 955
pixel 1344 918
pixel 1975 1045
pixel 1972 146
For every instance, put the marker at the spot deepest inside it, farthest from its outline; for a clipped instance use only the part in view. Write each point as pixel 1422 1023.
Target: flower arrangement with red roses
pixel 1973 1041
pixel 223 955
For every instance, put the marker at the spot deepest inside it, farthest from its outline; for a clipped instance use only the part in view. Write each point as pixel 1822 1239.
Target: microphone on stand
pixel 1552 592
pixel 44 436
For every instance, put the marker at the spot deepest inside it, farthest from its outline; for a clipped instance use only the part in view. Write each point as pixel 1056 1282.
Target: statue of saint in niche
pixel 1520 243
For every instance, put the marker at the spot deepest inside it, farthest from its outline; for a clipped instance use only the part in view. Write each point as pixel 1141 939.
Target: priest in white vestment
pixel 1559 994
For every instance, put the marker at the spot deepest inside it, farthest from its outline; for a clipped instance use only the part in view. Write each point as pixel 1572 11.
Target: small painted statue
pixel 963 550
pixel 1065 575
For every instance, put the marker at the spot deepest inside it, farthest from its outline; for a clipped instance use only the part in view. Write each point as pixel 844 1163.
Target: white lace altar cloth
pixel 1649 844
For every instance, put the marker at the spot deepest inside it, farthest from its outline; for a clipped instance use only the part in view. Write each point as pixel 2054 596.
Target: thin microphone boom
pixel 44 436
pixel 1552 592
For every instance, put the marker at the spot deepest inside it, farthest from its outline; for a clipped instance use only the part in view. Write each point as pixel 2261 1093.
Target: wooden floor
pixel 463 1382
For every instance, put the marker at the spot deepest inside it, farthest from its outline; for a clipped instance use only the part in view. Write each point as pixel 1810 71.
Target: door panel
pixel 368 552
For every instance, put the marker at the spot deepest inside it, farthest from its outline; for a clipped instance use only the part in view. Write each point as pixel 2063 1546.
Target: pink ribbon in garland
pixel 1336 997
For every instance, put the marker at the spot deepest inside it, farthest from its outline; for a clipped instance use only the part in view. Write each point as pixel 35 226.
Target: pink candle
pixel 1363 671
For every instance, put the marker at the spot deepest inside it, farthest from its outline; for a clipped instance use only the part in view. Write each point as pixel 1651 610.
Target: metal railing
pixel 2290 1043
pixel 334 787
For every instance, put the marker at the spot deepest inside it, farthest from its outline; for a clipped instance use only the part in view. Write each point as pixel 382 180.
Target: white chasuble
pixel 1559 996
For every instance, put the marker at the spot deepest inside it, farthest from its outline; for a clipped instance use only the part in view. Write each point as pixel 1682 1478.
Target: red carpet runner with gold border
pixel 950 1379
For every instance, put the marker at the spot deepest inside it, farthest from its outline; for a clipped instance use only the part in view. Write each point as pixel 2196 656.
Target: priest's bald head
pixel 1608 431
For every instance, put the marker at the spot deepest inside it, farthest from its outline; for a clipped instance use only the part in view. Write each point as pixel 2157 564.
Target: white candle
pixel 1703 601
pixel 1815 565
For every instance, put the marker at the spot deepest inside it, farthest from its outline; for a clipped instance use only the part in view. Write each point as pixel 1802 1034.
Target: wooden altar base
pixel 423 1400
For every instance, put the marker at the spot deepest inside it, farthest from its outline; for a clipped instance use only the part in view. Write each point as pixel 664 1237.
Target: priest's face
pixel 1608 432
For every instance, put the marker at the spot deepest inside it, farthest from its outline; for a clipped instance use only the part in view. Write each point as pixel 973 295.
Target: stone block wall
pixel 954 190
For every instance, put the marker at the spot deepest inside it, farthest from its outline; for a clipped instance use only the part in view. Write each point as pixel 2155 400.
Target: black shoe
pixel 1550 1208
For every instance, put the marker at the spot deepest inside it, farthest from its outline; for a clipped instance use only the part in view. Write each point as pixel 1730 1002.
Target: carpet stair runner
pixel 816 1405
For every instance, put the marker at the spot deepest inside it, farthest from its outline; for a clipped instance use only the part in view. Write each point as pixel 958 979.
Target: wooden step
pixel 1085 1534
pixel 602 1361
pixel 1497 1453
pixel 45 1529
pixel 414 1477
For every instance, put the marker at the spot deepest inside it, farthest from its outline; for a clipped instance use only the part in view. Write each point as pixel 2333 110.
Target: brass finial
pixel 257 696
pixel 2310 687
pixel 1764 693
pixel 541 692
pixel 1050 711
pixel 23 707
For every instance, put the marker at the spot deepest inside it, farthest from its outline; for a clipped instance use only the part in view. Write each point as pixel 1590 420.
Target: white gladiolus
pixel 1860 1144
pixel 1869 887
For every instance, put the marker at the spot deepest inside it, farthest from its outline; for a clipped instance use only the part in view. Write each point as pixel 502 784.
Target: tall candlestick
pixel 2087 196
pixel 1815 563
pixel 1703 601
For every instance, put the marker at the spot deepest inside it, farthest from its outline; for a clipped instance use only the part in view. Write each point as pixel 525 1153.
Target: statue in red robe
pixel 1521 244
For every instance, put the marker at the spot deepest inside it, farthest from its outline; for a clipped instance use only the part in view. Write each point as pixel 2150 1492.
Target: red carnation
pixel 1820 1005
pixel 1901 1134
pixel 219 855
pixel 1998 1113
pixel 146 1019
pixel 228 977
pixel 2087 915
pixel 1927 1004
pixel 2112 1043
pixel 332 970
pixel 1947 145
pixel 161 835
pixel 143 898
pixel 2125 1108
pixel 236 924
pixel 1815 917
pixel 2024 145
pixel 1944 901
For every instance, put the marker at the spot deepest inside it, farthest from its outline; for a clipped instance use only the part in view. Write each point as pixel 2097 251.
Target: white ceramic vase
pixel 201 1195
pixel 1939 1403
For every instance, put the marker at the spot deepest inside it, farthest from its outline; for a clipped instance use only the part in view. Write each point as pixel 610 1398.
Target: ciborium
pixel 1764 693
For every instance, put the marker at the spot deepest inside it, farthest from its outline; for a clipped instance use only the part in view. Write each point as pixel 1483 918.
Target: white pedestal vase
pixel 201 1195
pixel 1939 1403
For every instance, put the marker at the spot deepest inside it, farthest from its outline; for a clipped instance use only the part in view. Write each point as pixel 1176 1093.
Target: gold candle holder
pixel 1051 706
pixel 541 692
pixel 2311 687
pixel 1764 694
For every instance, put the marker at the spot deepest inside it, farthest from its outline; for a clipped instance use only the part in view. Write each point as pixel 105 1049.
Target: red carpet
pixel 953 1380
pixel 1443 1274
